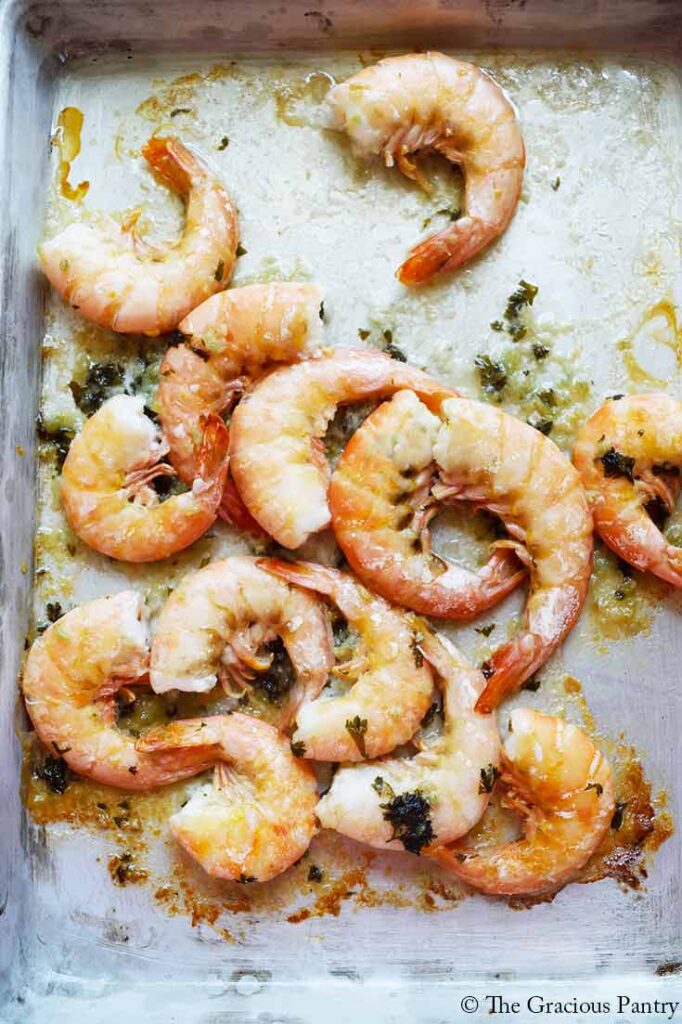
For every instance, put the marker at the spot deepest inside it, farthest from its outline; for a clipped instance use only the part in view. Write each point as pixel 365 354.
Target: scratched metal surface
pixel 603 249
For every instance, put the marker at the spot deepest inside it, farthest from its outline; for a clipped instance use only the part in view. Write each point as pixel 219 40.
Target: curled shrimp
pixel 72 674
pixel 381 504
pixel 113 278
pixel 233 336
pixel 629 455
pixel 562 787
pixel 422 101
pixel 257 817
pixel 276 455
pixel 488 457
pixel 217 625
pixel 439 794
pixel 106 485
pixel 391 685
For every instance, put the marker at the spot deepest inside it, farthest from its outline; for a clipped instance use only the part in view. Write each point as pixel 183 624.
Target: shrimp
pixel 436 796
pixel 421 101
pixel 72 674
pixel 275 434
pixel 218 625
pixel 233 336
pixel 629 455
pixel 486 456
pixel 257 818
pixel 381 504
pixel 562 786
pixel 106 480
pixel 113 278
pixel 391 686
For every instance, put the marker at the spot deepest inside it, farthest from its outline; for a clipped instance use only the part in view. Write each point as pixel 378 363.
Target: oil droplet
pixel 658 326
pixel 67 139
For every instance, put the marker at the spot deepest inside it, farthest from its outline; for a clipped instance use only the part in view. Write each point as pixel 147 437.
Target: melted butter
pixel 67 139
pixel 658 326
pixel 621 602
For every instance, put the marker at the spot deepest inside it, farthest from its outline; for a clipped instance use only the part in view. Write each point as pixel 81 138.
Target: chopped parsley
pixel 357 730
pixel 409 814
pixel 616 464
pixel 492 374
pixel 489 777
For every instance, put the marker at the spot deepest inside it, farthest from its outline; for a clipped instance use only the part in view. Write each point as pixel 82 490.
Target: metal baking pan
pixel 72 946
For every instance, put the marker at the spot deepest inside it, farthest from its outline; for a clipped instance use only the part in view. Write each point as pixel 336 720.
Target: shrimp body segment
pixel 106 485
pixel 233 336
pixel 381 504
pixel 488 457
pixel 276 432
pixel 417 102
pixel 391 684
pixel 72 674
pixel 257 817
pixel 217 625
pixel 115 279
pixel 562 786
pixel 448 781
pixel 629 455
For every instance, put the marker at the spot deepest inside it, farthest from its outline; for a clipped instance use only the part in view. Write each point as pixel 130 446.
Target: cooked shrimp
pixel 218 625
pixel 275 434
pixel 234 335
pixel 72 674
pixel 629 455
pixel 106 485
pixel 258 816
pixel 435 796
pixel 488 457
pixel 421 101
pixel 381 504
pixel 562 787
pixel 113 278
pixel 391 686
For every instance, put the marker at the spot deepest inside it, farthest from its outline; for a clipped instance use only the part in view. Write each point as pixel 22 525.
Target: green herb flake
pixel 219 270
pixel 497 325
pixel 617 464
pixel 298 748
pixel 540 423
pixel 492 374
pixel 180 110
pixel 357 730
pixel 619 814
pixel 241 251
pixel 224 143
pixel 55 773
pixel 540 351
pixel 488 778
pixel 363 334
pixel 409 814
pixel 101 381
pixel 485 630
pixel 532 685
pixel 522 296
pixel 556 184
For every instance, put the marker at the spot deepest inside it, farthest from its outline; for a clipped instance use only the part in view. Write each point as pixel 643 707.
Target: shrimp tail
pixel 172 163
pixel 444 250
pixel 213 459
pixel 180 735
pixel 303 574
pixel 234 511
pixel 508 669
